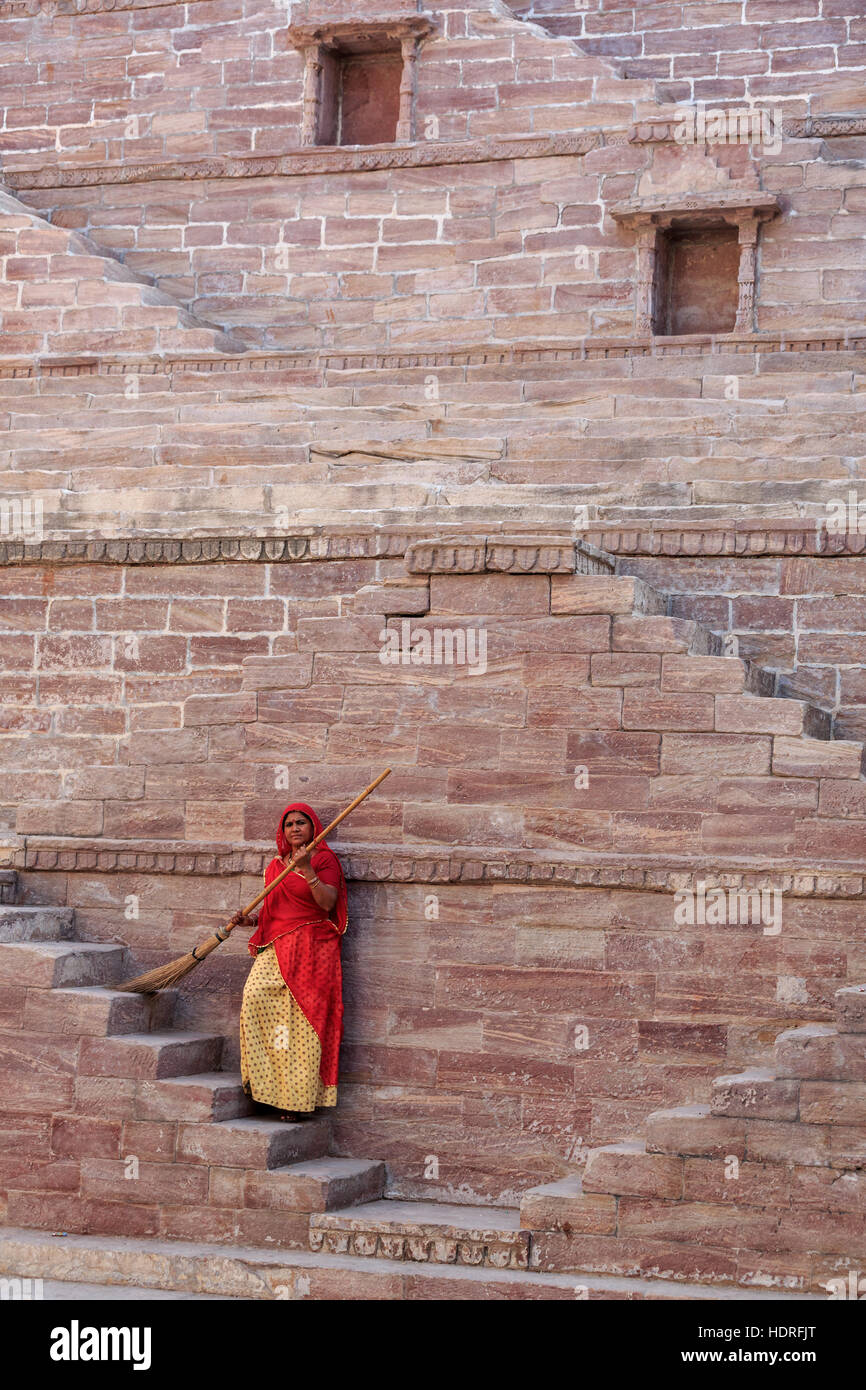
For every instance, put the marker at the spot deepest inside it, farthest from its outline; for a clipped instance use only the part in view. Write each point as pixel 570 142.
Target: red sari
pixel 307 941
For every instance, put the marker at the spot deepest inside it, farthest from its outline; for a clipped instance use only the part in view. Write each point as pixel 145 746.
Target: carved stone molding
pixel 516 356
pixel 776 537
pixel 325 159
pixel 505 554
pixel 664 129
pixel 456 1248
pixel 594 553
pixel 208 550
pixel 385 864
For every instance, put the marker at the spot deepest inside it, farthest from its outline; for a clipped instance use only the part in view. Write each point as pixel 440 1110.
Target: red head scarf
pixel 322 858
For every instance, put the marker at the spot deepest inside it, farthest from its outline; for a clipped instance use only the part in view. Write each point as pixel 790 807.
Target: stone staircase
pixel 74 296
pixel 135 1131
pixel 160 1139
pixel 775 1163
pixel 212 1200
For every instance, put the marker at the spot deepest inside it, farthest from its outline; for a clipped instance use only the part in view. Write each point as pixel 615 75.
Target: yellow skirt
pixel 280 1052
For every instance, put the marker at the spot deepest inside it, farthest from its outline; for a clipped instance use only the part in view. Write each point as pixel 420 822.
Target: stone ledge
pixel 455 551
pixel 421 359
pixel 305 160
pixel 385 864
pixel 772 537
pixel 677 205
pixel 661 129
pixel 251 1273
pixel 506 555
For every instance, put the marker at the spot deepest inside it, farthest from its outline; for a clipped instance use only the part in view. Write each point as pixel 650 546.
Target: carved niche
pixel 360 79
pixel 696 260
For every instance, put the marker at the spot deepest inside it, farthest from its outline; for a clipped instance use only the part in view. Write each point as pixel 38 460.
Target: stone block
pixel 628 1169
pixel 755 1094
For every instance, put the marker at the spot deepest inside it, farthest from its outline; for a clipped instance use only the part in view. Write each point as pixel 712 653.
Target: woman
pixel 292 1010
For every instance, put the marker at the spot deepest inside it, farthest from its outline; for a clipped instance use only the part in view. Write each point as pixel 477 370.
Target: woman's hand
pixel 239 920
pixel 303 863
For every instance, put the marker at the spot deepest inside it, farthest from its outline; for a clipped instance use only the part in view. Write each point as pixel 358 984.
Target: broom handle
pixel 308 849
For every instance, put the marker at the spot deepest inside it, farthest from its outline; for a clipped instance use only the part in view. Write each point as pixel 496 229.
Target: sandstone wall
pixel 451 251
pixel 764 49
pixel 802 618
pixel 512 882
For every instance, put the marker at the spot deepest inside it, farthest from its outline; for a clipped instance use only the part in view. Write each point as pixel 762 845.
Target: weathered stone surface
pixel 629 1170
pixel 564 1206
pixel 755 1094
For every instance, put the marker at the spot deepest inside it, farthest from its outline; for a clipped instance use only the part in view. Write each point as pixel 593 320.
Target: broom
pixel 166 975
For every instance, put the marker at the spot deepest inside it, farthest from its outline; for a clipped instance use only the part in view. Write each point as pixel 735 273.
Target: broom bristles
pixel 162 978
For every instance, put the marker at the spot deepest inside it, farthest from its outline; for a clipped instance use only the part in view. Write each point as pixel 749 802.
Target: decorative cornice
pixel 454 551
pixel 207 550
pixel 664 209
pixel 517 355
pixel 774 537
pixel 385 864
pixel 339 32
pixel 322 159
pixel 662 129
pixel 334 159
pixel 450 1246
pixel 506 554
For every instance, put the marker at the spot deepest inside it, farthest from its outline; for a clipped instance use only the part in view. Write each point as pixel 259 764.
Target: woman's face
pixel 298 829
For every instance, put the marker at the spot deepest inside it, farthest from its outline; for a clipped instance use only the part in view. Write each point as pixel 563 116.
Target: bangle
pixel 311 881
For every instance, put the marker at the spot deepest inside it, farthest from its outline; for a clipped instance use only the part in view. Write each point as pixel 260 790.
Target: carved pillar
pixel 406 118
pixel 313 64
pixel 647 255
pixel 748 238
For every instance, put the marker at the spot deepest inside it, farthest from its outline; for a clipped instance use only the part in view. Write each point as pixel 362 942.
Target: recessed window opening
pixel 696 285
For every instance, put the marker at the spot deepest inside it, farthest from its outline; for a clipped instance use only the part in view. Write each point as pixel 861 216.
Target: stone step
pixel 660 634
pixel 627 1170
pixel 93 1010
pixel 810 757
pixel 50 965
pixel 850 1006
pixel 321 1184
pixel 718 1244
pixel 441 1233
pixel 204 1096
pixel 693 1131
pixel 252 1143
pixel 607 594
pixel 753 714
pixel 252 1272
pixel 755 1094
pixel 148 1056
pixel 564 1206
pixel 819 1052
pixel 706 675
pixel 19 923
